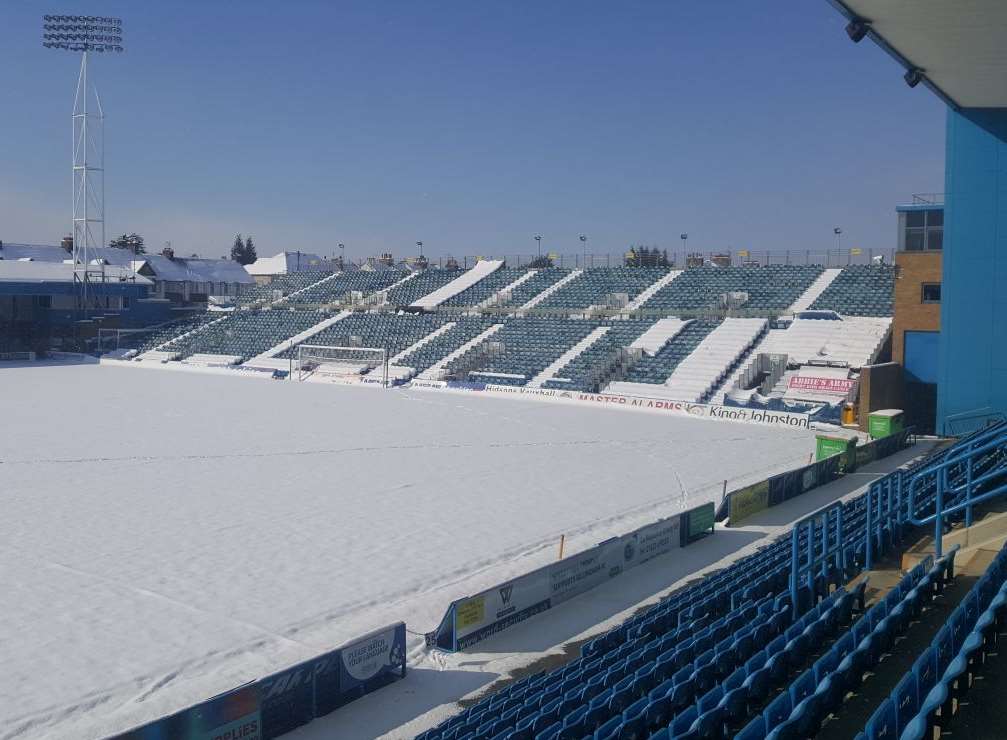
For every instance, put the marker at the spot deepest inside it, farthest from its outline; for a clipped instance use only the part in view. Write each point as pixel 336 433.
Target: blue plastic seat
pixel 778 710
pixel 683 722
pixel 905 698
pixel 609 729
pixel 658 712
pixel 754 730
pixel 882 725
pixel 550 732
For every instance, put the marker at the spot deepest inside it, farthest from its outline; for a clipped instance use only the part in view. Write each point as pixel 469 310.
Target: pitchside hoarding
pixel 281 702
pixel 636 403
pixel 478 617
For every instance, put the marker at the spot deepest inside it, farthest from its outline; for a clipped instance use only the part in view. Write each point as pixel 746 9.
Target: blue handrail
pixel 831 548
pixel 966 455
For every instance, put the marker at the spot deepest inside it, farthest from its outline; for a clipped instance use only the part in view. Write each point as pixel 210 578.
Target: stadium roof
pixel 957 46
pixel 160 267
pixel 18 271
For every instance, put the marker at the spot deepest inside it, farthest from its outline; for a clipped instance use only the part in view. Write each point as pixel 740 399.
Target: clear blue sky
pixel 472 126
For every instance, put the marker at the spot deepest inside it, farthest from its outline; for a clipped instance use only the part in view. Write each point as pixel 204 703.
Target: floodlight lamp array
pixel 82 33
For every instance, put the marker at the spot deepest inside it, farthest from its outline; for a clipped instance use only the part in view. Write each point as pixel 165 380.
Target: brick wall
pixel 911 314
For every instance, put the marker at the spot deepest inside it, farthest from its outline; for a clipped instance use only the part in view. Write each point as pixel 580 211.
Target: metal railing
pixel 680 259
pixel 969 474
pixel 823 547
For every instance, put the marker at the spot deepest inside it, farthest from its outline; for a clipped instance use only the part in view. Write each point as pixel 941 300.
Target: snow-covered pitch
pixel 167 536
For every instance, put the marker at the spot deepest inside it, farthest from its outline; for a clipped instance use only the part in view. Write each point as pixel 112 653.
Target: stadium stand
pixel 705 367
pixel 773 288
pixel 733 656
pixel 860 290
pixel 586 371
pixel 244 334
pixel 485 288
pixel 528 345
pixel 596 286
pixel 149 339
pixel 340 286
pixel 619 355
pixel 657 368
pixel 425 283
pixel 437 350
pixel 821 283
pixel 280 287
pixel 532 288
pixel 390 332
pixel 460 283
pixel 852 341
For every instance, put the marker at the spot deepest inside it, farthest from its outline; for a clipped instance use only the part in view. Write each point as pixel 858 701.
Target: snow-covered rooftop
pixel 21 271
pixel 287 262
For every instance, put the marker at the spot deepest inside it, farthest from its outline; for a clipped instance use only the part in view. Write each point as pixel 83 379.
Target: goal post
pixel 341 364
pixel 109 340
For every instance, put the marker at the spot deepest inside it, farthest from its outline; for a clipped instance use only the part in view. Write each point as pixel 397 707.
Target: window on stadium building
pixel 923 230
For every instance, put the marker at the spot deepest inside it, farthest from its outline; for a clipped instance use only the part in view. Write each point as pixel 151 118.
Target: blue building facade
pixel 972 373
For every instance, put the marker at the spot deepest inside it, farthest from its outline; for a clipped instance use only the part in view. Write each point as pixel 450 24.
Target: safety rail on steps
pixel 964 494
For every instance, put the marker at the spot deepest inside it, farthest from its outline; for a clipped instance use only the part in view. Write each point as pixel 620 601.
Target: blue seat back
pixel 802 687
pixel 906 700
pixel 882 724
pixel 778 710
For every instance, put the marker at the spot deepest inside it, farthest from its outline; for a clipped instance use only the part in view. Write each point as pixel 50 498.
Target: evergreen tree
pixel 249 252
pixel 133 242
pixel 238 250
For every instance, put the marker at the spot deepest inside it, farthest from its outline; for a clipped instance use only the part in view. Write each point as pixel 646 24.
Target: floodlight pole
pixel 85 34
pixel 88 195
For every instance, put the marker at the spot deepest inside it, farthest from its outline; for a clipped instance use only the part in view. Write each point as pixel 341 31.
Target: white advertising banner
pixel 634 403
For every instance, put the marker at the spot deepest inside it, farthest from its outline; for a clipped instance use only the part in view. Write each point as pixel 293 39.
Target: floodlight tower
pixel 86 34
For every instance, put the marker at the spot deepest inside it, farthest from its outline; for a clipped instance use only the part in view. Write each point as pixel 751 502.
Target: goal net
pixel 341 364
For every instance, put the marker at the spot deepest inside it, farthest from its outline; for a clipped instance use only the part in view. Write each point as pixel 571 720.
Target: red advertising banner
pixel 839 386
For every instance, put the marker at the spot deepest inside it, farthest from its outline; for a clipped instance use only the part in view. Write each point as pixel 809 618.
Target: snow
pixel 168 536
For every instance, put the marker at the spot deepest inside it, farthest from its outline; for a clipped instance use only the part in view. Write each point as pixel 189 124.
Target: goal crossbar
pixel 341 363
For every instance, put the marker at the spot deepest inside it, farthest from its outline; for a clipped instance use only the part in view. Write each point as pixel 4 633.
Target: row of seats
pixel 581 373
pixel 821 689
pixel 390 332
pixel 769 288
pixel 246 334
pixel 338 288
pixel 279 287
pixel 528 345
pixel 657 368
pixel 486 288
pixel 860 290
pixel 465 329
pixel 422 284
pixel 155 337
pixel 929 695
pixel 595 284
pixel 538 283
pixel 714 358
